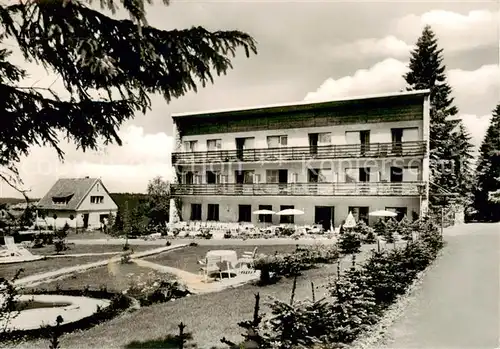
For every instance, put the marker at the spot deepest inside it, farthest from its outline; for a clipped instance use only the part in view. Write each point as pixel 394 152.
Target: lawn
pixel 209 316
pixel 115 277
pixel 52 264
pixel 78 249
pixel 187 258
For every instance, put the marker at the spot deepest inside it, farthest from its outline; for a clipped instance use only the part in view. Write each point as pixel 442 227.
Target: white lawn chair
pixel 211 265
pixel 14 250
pixel 247 260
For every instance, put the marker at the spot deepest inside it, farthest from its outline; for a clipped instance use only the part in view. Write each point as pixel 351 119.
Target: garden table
pixel 225 256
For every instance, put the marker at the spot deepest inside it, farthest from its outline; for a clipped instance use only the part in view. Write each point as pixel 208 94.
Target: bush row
pixel 273 267
pixel 356 301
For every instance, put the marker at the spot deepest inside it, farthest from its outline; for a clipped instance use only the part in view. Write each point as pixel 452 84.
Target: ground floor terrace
pixel 317 209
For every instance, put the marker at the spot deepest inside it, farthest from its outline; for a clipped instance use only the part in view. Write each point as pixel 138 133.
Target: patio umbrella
pixel 383 213
pixel 290 212
pixel 350 222
pixel 264 212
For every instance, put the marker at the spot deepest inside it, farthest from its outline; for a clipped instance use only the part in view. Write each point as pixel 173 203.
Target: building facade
pixel 78 202
pixel 325 158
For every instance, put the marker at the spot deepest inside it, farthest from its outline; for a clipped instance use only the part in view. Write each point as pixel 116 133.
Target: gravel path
pixel 458 304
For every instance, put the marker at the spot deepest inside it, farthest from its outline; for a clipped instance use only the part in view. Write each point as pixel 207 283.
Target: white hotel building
pixel 325 158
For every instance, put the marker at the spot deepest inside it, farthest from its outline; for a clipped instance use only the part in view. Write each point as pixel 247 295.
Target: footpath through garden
pixel 458 303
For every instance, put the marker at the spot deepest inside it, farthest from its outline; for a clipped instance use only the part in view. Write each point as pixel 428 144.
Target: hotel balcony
pixel 301 189
pixel 373 150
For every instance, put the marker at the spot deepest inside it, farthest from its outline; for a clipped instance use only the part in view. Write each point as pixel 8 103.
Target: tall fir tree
pixel 488 171
pixel 450 146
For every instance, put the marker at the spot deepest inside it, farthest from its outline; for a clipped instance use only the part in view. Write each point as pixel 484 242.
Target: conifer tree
pixel 450 146
pixel 488 171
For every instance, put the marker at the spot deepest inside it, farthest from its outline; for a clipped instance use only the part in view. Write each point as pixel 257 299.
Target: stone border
pixel 32 319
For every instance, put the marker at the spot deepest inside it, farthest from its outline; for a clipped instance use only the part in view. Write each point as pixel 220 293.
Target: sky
pixel 307 50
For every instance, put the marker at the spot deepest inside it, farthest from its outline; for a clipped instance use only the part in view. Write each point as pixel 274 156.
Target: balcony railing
pixel 301 189
pixel 373 150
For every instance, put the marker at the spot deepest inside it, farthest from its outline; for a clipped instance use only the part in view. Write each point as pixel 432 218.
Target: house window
pixel 190 146
pixel 277 141
pixel 244 213
pixel 213 212
pixel 61 200
pixel 214 144
pixel 266 218
pixel 286 219
pixel 360 213
pixel 401 212
pixel 96 199
pixel 195 212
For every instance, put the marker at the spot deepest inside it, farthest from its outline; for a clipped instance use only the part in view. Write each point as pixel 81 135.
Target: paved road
pixel 458 305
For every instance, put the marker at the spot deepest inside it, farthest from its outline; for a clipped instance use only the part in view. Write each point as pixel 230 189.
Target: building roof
pixel 77 188
pixel 304 105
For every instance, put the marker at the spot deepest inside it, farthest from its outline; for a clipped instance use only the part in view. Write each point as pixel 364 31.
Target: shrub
pixel 391 227
pixel 193 244
pixel 157 291
pixel 168 243
pixel 404 228
pixel 228 235
pixel 349 243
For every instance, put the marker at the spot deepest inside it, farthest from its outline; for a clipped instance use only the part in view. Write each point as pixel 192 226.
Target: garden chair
pixel 210 266
pixel 247 259
pixel 14 250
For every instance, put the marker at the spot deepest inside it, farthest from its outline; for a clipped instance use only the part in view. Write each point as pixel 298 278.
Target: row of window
pixel 351 175
pixel 398 135
pixel 323 214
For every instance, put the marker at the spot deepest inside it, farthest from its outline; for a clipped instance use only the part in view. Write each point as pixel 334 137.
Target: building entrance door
pixel 324 215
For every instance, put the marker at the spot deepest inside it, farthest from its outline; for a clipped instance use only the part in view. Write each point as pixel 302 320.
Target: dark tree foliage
pixel 450 144
pixel 108 66
pixel 488 172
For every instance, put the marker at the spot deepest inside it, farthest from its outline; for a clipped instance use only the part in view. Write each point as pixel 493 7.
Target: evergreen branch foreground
pixel 107 66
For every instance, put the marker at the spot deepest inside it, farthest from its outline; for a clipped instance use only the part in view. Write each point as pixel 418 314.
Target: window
pixel 286 219
pixel 277 141
pixel 351 175
pixel 364 174
pixel 317 175
pixel 266 218
pixel 272 176
pixel 245 213
pixel 190 146
pixel 213 212
pixel 213 177
pixel 324 138
pixel 401 211
pixel 96 199
pixel 359 213
pixel 195 212
pixel 214 144
pixel 61 200
pixel 189 177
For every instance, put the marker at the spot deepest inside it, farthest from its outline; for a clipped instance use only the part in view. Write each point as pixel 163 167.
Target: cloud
pixel 469 87
pixel 456 32
pixel 389 46
pixel 385 76
pixel 477 126
pixel 126 168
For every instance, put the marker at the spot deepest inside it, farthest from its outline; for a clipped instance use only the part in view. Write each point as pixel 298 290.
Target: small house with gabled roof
pixel 80 202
